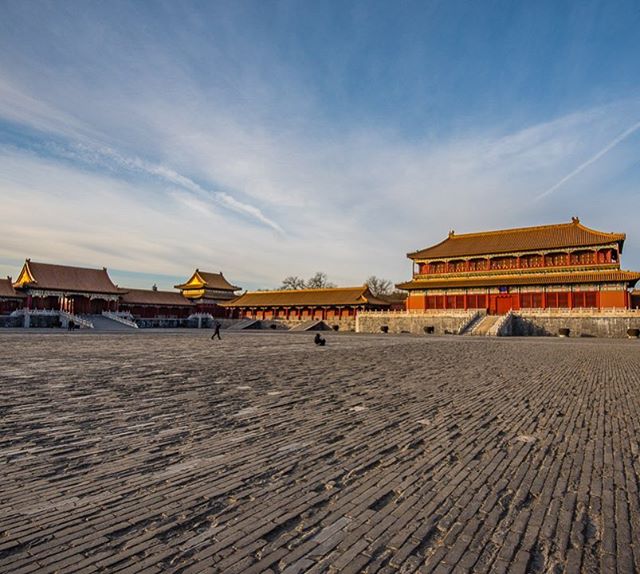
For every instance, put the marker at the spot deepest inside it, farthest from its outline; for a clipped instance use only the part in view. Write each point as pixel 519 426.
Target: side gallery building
pixel 45 288
pixel 563 266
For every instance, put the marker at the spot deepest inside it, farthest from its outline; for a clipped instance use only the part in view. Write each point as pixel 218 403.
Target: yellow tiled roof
pixel 7 291
pixel 52 277
pixel 521 239
pixel 153 297
pixel 210 281
pixel 307 297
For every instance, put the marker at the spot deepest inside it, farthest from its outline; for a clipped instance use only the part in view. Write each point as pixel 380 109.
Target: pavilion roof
pixel 65 278
pixel 335 296
pixel 154 297
pixel 558 236
pixel 564 278
pixel 7 291
pixel 208 280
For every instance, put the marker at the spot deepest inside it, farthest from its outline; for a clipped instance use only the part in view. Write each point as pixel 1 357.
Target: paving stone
pixel 160 452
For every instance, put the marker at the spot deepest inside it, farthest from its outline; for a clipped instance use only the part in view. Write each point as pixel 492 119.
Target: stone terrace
pixel 166 452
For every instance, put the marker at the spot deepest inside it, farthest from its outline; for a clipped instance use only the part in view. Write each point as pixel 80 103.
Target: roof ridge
pixel 591 230
pixel 575 222
pixel 129 289
pixel 305 290
pixel 31 262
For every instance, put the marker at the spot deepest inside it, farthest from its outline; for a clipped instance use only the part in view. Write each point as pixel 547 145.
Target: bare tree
pixel 319 281
pixel 292 283
pixel 379 286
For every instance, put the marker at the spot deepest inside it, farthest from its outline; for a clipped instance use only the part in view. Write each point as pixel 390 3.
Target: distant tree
pixel 292 283
pixel 319 281
pixel 379 286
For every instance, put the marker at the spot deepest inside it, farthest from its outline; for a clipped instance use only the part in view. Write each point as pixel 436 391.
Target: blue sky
pixel 267 139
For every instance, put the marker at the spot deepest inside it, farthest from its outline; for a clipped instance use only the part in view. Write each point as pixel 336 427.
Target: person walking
pixel 216 332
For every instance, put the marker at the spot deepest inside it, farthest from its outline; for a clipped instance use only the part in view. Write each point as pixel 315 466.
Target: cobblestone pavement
pixel 159 452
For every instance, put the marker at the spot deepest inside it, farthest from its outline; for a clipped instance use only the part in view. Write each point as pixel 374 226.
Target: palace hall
pixel 307 304
pixel 51 291
pixel 75 290
pixel 567 265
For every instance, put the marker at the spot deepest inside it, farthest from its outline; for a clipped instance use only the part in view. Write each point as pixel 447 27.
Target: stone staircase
pixel 80 322
pixel 104 323
pixel 471 323
pixel 245 324
pixel 503 326
pixel 121 318
pixel 313 325
pixel 484 326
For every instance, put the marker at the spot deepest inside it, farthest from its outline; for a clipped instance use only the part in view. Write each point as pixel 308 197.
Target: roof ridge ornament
pixel 452 232
pixel 575 219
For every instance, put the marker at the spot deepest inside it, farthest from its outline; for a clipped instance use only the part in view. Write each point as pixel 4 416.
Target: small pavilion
pixel 208 291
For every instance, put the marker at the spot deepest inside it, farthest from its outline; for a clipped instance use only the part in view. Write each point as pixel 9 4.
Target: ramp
pixel 311 326
pixel 245 324
pixel 102 323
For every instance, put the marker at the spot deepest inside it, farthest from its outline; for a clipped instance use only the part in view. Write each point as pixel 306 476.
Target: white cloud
pixel 155 182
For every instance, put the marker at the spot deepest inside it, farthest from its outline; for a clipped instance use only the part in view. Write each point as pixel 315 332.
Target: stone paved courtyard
pixel 165 452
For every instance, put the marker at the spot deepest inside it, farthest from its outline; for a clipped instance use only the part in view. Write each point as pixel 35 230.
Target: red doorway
pixel 504 304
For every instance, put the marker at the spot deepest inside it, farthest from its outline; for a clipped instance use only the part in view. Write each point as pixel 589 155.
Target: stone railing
pixel 468 326
pixel 63 316
pixel 580 312
pixel 502 327
pixel 122 318
pixel 81 321
pixel 202 319
pixel 42 312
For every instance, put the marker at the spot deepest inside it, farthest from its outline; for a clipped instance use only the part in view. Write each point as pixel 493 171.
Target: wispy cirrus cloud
pixel 108 155
pixel 593 159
